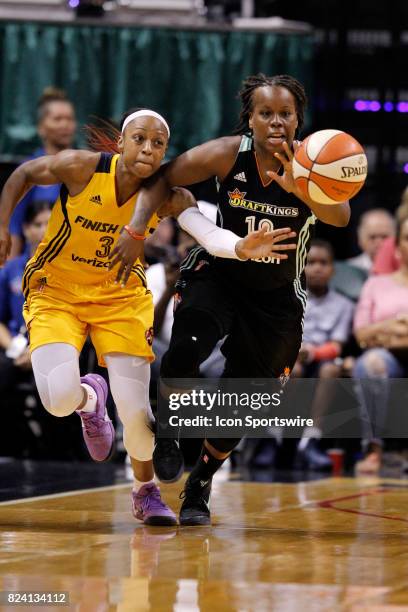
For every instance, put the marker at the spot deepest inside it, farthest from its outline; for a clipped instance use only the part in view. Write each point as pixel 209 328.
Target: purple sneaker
pixel 97 427
pixel 148 507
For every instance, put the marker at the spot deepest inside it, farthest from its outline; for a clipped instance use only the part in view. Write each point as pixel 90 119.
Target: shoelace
pixel 151 501
pixel 91 423
pixel 195 495
pixel 169 447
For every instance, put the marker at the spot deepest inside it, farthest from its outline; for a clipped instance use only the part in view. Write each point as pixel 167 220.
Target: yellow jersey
pixel 83 230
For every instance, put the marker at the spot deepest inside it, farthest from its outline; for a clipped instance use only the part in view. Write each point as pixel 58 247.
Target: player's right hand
pixel 125 254
pixel 263 244
pixel 5 244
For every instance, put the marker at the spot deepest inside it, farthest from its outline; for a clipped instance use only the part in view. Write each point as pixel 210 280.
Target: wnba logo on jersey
pixel 284 377
pixel 177 301
pixel 149 334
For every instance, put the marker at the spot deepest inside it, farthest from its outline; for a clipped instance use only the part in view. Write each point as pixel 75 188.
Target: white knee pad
pixel 56 373
pixel 129 382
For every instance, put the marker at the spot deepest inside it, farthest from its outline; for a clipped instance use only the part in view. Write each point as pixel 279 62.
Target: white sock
pixel 137 484
pixel 90 405
pixel 309 432
pixel 277 433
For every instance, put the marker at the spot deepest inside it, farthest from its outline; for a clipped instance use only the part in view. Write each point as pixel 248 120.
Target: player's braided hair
pixel 260 80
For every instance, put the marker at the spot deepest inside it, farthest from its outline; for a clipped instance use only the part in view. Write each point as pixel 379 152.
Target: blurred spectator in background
pixel 374 227
pixel 327 327
pixel 387 259
pixel 56 128
pixel 381 328
pixel 160 245
pixel 15 360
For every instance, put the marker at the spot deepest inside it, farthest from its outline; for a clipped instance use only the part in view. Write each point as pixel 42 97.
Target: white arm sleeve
pixel 214 239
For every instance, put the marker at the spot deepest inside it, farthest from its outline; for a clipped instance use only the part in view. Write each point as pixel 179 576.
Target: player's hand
pixel 263 243
pixel 286 180
pixel 306 353
pixel 125 253
pixel 180 199
pixel 24 361
pixel 172 273
pixel 5 244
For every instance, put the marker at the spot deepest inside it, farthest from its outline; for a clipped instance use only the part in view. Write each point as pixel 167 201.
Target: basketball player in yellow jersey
pixel 70 291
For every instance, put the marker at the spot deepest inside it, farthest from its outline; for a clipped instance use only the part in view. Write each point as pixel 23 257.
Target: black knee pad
pixel 182 359
pixel 224 445
pixel 192 341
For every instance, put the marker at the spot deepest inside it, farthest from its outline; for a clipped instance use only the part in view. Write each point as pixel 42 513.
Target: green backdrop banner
pixel 191 77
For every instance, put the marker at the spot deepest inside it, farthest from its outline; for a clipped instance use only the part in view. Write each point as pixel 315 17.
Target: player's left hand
pixel 262 243
pixel 286 180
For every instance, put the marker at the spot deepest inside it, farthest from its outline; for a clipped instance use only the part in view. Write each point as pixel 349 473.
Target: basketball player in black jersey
pixel 258 304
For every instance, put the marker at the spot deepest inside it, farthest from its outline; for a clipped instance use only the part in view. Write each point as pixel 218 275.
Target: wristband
pixel 133 234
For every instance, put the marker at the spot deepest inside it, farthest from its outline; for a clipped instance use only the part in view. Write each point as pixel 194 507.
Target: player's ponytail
pixel 103 137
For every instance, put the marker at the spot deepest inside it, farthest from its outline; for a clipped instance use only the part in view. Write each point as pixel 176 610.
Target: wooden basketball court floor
pixel 332 544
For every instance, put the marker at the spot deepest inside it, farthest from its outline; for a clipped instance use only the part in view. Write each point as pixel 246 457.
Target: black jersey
pixel 245 204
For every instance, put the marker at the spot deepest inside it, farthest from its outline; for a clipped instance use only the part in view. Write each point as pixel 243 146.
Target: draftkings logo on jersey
pixel 237 200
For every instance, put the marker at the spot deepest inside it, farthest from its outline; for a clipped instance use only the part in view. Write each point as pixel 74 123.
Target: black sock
pixel 205 468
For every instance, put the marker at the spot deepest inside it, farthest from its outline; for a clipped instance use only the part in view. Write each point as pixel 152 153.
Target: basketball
pixel 330 166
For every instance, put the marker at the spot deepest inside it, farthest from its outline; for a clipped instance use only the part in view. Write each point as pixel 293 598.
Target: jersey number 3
pixel 106 245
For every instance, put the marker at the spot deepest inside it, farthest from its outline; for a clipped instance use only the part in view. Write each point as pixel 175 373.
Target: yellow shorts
pixel 118 320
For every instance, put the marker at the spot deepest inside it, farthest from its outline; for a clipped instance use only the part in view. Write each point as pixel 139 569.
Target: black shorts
pixel 263 328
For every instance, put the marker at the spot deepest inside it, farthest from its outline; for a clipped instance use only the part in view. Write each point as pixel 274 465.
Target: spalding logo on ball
pixel 330 166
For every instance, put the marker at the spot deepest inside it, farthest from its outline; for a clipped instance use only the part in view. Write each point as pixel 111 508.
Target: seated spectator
pixel 387 259
pixel 327 327
pixel 374 227
pixel 381 328
pixel 15 362
pixel 56 128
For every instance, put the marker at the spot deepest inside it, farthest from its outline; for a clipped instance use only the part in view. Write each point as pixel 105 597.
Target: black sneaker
pixel 195 509
pixel 168 461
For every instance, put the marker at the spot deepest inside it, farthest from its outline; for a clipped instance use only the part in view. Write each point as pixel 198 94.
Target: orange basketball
pixel 330 166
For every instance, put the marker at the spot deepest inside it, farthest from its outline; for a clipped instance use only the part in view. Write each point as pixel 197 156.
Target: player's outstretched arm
pixel 216 240
pixel 74 168
pixel 214 158
pixel 221 242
